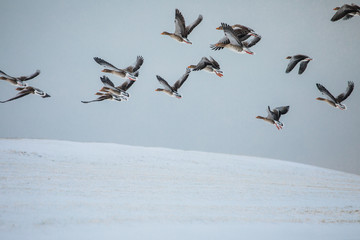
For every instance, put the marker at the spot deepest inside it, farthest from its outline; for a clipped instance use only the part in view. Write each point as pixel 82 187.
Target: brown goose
pixel 105 94
pixel 346 12
pixel 172 90
pixel 18 81
pixel 181 30
pixel 23 91
pixel 294 60
pixel 242 32
pixel 231 41
pixel 274 116
pixel 121 90
pixel 130 72
pixel 209 65
pixel 336 102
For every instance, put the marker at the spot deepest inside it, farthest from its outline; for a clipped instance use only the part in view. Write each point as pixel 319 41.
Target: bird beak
pixel 47 95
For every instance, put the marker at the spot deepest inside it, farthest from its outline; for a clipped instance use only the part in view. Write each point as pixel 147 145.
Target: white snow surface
pixel 70 190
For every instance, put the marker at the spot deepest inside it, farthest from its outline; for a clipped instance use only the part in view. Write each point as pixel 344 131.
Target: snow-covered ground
pixel 69 190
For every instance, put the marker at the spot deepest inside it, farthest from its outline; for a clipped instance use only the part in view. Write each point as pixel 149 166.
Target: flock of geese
pixel 237 38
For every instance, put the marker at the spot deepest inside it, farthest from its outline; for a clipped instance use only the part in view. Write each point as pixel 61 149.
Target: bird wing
pixel 214 63
pixel 181 81
pixel 271 114
pixel 202 64
pixel 223 40
pixel 303 66
pixel 101 98
pixel 254 41
pixel 179 23
pixel 21 94
pixel 164 83
pixel 282 110
pixel 342 12
pixel 107 82
pixel 323 90
pixel 136 66
pixel 230 34
pixel 7 76
pixel 126 85
pixel 347 93
pixel 25 78
pixel 104 63
pixel 193 25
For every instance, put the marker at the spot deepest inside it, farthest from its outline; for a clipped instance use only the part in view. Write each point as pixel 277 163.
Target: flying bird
pixel 23 91
pixel 336 102
pixel 172 90
pixel 346 12
pixel 274 116
pixel 120 90
pixel 181 30
pixel 209 65
pixel 294 60
pixel 232 41
pixel 18 81
pixel 130 72
pixel 110 92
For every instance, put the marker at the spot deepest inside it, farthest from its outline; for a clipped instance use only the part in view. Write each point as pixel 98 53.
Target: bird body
pixel 172 90
pixel 18 81
pixel 335 102
pixel 209 65
pixel 346 12
pixel 294 60
pixel 131 72
pixel 231 41
pixel 181 30
pixel 274 116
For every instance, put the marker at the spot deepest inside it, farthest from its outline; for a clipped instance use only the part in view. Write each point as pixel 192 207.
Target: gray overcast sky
pixel 216 114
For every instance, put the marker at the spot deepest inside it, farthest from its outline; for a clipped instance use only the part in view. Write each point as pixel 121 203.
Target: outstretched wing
pixel 136 66
pixel 282 110
pixel 164 83
pixel 230 34
pixel 181 81
pixel 25 78
pixel 323 90
pixel 194 24
pixel 254 41
pixel 101 98
pixel 179 23
pixel 126 85
pixel 107 82
pixel 7 76
pixel 21 94
pixel 303 66
pixel 347 93
pixel 223 40
pixel 214 63
pixel 104 63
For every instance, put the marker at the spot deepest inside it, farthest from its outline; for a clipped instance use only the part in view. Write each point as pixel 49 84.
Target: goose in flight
pixel 23 91
pixel 121 90
pixel 172 90
pixel 209 65
pixel 181 30
pixel 18 81
pixel 231 41
pixel 274 116
pixel 346 12
pixel 294 60
pixel 336 102
pixel 130 72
